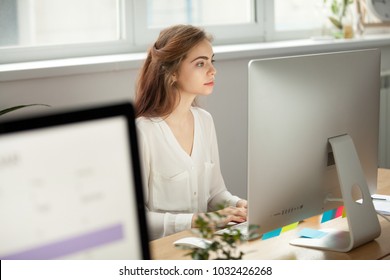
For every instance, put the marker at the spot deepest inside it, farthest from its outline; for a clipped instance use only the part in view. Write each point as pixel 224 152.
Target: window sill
pixel 120 62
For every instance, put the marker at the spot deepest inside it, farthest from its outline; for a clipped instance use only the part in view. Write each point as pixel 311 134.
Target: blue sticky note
pixel 328 215
pixel 271 234
pixel 311 233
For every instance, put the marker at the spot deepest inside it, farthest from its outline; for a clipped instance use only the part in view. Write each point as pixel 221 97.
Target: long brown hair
pixel 156 91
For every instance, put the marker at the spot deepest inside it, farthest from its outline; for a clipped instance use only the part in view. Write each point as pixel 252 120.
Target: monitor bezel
pixel 375 55
pixel 90 113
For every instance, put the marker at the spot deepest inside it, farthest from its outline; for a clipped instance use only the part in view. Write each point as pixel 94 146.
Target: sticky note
pixel 332 214
pixel 344 213
pixel 339 211
pixel 290 227
pixel 311 233
pixel 271 234
pixel 328 215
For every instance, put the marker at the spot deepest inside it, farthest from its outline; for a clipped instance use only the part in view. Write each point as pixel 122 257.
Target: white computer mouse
pixel 194 242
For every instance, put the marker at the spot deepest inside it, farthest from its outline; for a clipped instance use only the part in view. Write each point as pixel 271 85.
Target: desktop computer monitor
pixel 298 105
pixel 70 186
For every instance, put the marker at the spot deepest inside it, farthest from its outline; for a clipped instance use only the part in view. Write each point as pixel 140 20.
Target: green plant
pixel 8 110
pixel 221 247
pixel 338 10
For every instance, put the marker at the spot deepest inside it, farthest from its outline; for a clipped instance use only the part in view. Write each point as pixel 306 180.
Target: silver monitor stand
pixel 361 215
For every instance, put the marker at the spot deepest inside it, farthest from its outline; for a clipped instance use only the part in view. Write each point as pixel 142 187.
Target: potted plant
pixel 341 17
pixel 219 247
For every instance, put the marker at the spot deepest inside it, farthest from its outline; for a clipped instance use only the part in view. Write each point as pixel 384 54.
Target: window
pixel 231 21
pixel 295 19
pixel 47 29
pixel 298 14
pixel 162 13
pixel 51 22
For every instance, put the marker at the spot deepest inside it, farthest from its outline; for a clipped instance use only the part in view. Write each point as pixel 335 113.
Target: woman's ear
pixel 172 80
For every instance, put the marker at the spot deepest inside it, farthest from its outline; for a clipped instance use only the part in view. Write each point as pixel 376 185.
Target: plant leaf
pixel 335 7
pixel 5 111
pixel 336 22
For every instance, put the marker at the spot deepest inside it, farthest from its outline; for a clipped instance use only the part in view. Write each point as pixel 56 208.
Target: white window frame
pixel 38 53
pixel 272 34
pixel 226 34
pixel 137 37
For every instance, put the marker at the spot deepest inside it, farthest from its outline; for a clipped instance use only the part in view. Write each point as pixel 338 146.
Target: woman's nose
pixel 212 70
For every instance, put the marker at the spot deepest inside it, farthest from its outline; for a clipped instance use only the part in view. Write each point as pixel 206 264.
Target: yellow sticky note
pixel 290 227
pixel 344 213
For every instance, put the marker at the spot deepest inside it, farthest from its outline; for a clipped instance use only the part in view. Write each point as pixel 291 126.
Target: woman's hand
pixel 242 203
pixel 233 214
pixel 224 216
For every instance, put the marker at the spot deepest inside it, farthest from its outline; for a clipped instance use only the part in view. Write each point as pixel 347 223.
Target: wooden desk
pixel 279 247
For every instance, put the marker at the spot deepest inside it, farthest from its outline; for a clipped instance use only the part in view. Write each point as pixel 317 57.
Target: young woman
pixel 177 140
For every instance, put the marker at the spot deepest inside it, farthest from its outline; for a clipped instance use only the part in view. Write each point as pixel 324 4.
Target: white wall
pixel 68 91
pixel 228 104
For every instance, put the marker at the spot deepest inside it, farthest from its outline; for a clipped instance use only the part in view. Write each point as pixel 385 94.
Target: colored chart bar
pixel 69 246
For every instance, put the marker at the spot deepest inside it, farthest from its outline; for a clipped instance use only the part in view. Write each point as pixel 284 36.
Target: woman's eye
pixel 200 64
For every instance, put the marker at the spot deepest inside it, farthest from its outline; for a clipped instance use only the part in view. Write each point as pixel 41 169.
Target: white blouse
pixel 176 185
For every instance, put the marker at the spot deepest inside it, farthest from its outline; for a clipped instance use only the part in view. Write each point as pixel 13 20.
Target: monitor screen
pixel 296 104
pixel 70 187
